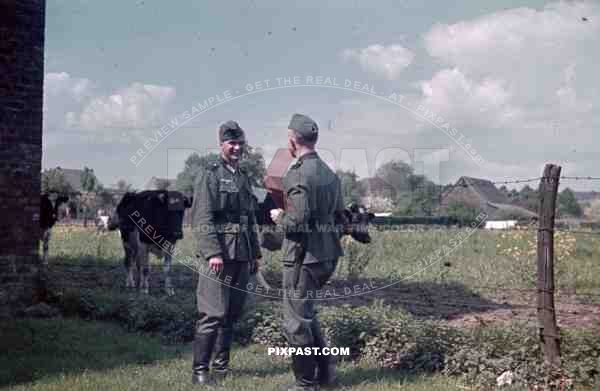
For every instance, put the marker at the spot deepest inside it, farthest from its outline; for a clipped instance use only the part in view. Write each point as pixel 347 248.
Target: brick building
pixel 21 102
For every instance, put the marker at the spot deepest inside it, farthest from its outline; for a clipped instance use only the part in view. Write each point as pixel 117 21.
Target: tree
pixel 252 161
pixel 529 198
pixel 397 175
pixel 568 205
pixel 105 199
pixel 192 166
pixel 53 180
pixel 592 212
pixel 89 182
pixel 464 213
pixel 123 186
pixel 162 184
pixel 350 186
pixel 413 195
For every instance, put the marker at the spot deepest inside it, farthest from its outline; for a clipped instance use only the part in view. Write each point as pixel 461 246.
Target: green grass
pixel 74 354
pixel 478 262
pixel 71 354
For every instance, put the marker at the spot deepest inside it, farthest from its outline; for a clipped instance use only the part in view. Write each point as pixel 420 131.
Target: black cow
pixel 48 217
pixel 355 222
pixel 149 222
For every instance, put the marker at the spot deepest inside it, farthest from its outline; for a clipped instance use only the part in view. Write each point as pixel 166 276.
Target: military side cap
pixel 305 126
pixel 230 130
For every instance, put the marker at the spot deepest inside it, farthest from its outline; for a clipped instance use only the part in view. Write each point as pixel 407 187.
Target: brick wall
pixel 21 102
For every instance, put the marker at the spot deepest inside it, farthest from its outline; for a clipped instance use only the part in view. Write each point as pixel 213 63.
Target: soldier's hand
pixel 216 264
pixel 275 213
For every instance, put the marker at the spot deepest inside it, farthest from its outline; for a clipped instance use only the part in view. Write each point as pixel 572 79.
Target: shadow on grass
pixel 34 349
pixel 422 299
pixel 425 299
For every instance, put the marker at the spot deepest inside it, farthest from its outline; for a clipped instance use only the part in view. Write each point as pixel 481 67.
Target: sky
pixel 493 89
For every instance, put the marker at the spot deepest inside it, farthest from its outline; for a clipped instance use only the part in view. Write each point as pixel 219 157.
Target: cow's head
pixel 177 204
pixel 49 209
pixel 358 218
pixel 356 224
pixel 119 218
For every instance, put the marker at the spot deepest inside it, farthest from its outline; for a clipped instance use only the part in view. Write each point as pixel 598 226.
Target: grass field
pixel 486 259
pixel 104 357
pixel 489 278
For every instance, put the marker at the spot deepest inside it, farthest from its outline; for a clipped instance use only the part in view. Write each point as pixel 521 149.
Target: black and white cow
pixel 48 217
pixel 152 220
pixel 355 222
pixel 149 222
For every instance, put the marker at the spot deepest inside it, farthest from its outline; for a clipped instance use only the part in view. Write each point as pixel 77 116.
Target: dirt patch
pixel 569 313
pixel 453 303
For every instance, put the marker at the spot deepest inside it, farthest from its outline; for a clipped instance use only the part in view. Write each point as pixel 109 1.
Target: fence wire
pixel 421 302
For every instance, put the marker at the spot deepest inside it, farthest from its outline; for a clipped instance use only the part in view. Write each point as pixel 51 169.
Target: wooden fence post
pixel 545 266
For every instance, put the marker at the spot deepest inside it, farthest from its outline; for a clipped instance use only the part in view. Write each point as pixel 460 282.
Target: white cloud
pixel 541 58
pixel 63 93
pixel 506 41
pixel 524 80
pixel 387 61
pixel 137 106
pixel 77 103
pixel 465 102
pixel 520 84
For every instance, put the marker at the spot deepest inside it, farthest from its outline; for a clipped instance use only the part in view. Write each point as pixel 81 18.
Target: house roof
pixel 489 194
pixel 509 208
pixel 485 189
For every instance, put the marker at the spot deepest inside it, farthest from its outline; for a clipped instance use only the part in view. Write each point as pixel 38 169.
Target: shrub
pixel 261 325
pixel 376 333
pixel 347 326
pixel 411 345
pixel 487 352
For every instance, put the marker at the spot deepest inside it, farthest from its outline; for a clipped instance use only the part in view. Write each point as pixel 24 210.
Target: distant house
pixel 483 195
pixel 156 183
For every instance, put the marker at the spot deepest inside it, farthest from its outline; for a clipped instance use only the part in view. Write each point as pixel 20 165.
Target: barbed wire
pixel 516 181
pixel 587 178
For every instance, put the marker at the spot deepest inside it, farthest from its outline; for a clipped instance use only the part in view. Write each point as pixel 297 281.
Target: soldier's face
pixel 232 150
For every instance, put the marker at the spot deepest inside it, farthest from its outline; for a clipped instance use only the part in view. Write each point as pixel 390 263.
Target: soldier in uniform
pixel 224 227
pixel 309 255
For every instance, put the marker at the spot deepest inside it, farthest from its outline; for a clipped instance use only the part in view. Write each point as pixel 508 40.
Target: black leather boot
pixel 203 348
pixel 304 367
pixel 220 364
pixel 326 375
